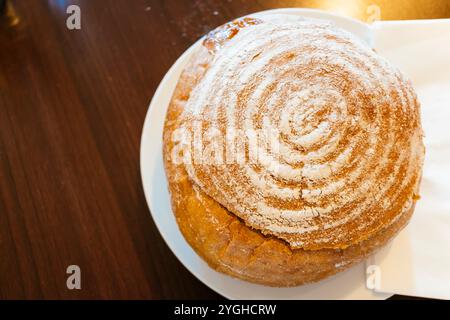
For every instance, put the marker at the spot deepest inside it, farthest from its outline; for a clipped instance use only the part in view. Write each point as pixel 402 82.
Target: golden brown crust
pixel 224 241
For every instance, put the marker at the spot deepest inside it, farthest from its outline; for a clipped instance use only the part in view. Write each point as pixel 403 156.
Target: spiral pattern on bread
pixel 339 141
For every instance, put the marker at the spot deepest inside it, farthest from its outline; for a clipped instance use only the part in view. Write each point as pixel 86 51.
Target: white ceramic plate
pixel 349 284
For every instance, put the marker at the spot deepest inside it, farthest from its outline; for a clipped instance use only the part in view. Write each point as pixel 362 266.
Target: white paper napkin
pixel 417 263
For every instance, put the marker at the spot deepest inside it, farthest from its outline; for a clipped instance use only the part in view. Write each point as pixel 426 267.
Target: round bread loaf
pixel 292 150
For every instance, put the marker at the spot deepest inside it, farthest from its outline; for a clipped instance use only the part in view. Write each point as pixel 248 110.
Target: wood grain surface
pixel 72 106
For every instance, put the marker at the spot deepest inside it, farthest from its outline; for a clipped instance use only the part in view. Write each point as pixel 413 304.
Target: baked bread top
pixel 302 131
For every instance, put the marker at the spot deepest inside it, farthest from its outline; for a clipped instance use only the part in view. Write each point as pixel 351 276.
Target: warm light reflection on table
pixel 365 9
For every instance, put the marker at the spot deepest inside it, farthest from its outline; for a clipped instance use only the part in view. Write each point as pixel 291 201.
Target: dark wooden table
pixel 72 106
